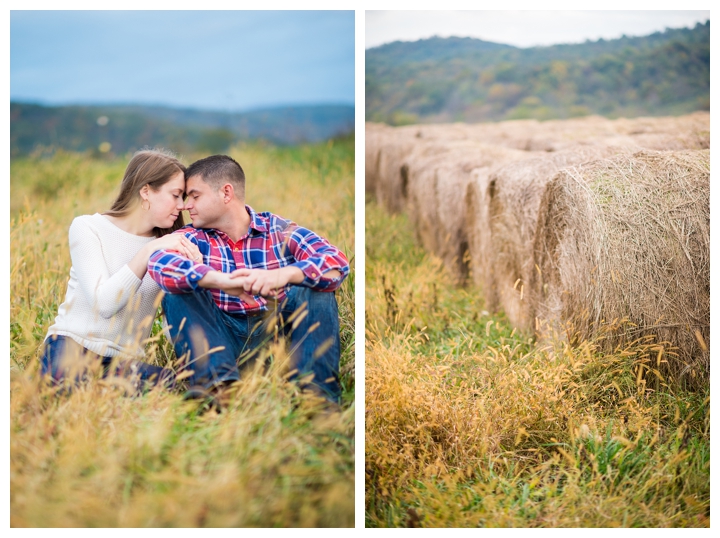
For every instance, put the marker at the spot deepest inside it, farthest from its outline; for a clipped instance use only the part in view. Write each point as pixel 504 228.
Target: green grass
pixel 97 458
pixel 470 423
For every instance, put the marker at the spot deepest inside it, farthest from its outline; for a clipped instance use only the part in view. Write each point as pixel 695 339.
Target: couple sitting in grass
pixel 232 279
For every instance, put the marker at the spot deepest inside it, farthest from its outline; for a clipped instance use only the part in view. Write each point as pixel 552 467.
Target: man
pixel 253 268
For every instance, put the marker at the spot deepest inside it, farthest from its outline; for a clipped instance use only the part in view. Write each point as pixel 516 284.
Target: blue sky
pixel 218 60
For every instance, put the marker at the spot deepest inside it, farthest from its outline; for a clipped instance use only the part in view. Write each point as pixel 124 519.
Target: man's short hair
pixel 218 169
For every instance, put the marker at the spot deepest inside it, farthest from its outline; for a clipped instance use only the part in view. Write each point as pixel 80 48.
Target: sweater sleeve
pixel 107 293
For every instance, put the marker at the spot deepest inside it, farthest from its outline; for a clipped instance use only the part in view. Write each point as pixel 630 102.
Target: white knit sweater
pixel 107 308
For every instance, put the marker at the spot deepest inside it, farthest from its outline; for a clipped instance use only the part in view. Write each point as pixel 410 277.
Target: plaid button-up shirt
pixel 271 242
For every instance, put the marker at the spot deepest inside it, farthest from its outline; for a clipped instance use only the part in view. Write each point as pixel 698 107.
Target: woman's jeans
pixel 220 342
pixel 64 359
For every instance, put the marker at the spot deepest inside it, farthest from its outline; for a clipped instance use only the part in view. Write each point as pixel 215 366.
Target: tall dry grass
pixel 98 458
pixel 471 423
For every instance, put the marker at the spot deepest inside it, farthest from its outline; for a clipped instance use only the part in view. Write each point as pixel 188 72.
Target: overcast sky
pixel 522 28
pixel 220 60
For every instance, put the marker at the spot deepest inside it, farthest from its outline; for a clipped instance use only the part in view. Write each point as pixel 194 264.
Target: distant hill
pixel 465 79
pixel 130 127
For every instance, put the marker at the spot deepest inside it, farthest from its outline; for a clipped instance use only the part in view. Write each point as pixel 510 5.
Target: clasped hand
pixel 265 282
pixel 244 283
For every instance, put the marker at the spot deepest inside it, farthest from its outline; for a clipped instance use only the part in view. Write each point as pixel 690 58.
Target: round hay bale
pixel 677 141
pixel 423 190
pixel 477 211
pixel 390 165
pixel 375 134
pixel 514 193
pixel 696 121
pixel 439 172
pixel 629 238
pixel 477 223
pixel 557 135
pixel 513 134
pixel 691 131
pixel 454 177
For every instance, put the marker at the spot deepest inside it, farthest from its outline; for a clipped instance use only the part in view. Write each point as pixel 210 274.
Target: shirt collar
pixel 256 223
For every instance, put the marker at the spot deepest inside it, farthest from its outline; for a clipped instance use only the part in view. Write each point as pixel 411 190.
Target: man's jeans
pixel 64 359
pixel 219 341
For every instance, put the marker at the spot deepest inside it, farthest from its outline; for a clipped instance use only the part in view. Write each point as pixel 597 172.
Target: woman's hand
pixel 175 242
pixel 180 244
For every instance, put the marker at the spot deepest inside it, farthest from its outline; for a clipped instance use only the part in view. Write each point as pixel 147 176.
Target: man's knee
pixel 198 303
pixel 171 299
pixel 313 299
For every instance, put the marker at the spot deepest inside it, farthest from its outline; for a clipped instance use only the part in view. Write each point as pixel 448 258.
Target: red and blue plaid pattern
pixel 272 242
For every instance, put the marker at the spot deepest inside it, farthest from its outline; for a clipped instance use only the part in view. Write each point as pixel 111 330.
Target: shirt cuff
pixel 196 274
pixel 314 276
pixel 311 271
pixel 182 279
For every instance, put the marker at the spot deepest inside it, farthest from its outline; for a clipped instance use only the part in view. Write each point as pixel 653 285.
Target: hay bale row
pixel 388 150
pixel 691 131
pixel 436 196
pixel 628 237
pixel 513 196
pixel 488 210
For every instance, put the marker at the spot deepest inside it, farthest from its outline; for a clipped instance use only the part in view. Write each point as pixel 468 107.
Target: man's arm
pixel 324 266
pixel 175 273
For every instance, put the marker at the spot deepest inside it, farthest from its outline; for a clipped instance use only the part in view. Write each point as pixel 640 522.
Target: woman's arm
pixel 176 241
pixel 107 293
pixel 110 293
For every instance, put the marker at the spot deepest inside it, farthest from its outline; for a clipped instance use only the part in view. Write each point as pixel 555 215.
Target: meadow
pixel 471 422
pixel 99 458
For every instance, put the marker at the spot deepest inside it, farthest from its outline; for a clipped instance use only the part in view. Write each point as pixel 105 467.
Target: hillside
pixel 130 127
pixel 463 79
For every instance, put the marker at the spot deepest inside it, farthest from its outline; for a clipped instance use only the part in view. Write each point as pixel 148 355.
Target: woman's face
pixel 167 202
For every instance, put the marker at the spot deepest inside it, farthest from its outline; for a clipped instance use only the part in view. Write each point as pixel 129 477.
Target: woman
pixel 110 304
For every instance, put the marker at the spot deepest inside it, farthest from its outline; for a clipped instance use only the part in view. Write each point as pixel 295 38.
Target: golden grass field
pixel 97 458
pixel 472 423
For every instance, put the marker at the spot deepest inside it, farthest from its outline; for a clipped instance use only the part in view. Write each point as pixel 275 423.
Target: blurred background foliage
pixel 471 80
pixel 120 129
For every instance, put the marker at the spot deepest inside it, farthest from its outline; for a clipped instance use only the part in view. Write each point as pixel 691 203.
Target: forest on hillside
pixel 471 80
pixel 130 127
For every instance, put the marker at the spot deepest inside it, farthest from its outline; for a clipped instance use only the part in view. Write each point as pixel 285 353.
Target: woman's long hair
pixel 152 167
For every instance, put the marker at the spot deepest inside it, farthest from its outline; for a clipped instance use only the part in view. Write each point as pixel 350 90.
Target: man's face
pixel 204 203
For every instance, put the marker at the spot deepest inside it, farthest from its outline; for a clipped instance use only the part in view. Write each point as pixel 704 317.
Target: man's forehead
pixel 194 183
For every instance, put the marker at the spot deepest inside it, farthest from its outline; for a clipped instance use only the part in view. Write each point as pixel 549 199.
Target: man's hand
pixel 223 281
pixel 266 282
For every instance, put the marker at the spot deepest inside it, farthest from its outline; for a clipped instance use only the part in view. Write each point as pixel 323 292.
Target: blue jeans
pixel 63 356
pixel 203 326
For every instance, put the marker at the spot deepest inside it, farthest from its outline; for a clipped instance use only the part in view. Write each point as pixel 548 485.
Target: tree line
pixel 119 129
pixel 465 79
